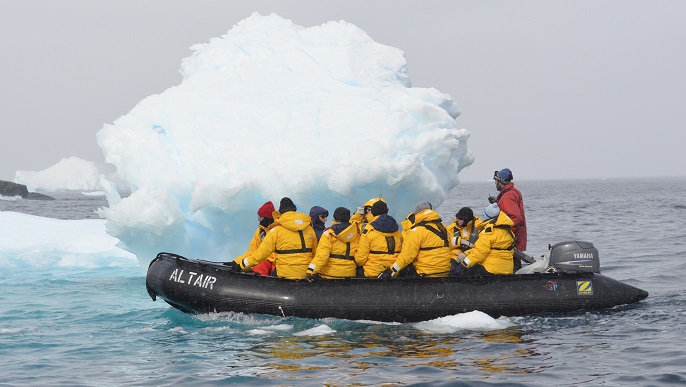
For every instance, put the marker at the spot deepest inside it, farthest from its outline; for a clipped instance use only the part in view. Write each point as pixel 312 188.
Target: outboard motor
pixel 574 256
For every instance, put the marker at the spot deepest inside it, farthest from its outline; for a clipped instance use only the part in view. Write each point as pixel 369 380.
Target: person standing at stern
pixel 511 202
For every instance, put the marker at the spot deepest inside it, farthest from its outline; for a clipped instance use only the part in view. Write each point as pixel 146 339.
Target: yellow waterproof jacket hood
pixel 426 245
pixel 335 256
pixel 406 225
pixel 502 219
pixel 494 249
pixel 294 221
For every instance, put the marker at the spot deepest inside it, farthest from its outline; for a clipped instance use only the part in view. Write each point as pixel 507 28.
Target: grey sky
pixel 550 89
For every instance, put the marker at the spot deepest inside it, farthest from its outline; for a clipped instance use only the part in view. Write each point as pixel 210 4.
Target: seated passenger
pixel 318 216
pixel 493 251
pixel 464 231
pixel 380 242
pixel 266 218
pixel 426 246
pixel 336 249
pixel 293 241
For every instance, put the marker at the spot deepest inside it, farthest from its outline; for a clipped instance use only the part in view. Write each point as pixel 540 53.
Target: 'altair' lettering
pixel 193 279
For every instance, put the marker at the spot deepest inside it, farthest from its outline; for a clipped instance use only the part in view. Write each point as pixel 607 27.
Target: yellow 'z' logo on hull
pixel 584 288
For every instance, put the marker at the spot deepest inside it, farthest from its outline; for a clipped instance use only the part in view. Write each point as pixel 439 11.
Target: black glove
pixel 386 274
pixel 492 199
pixel 233 266
pixel 457 269
pixel 310 277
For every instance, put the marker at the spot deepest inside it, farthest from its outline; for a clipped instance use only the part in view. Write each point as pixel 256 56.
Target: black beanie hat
pixel 341 214
pixel 286 205
pixel 379 208
pixel 466 214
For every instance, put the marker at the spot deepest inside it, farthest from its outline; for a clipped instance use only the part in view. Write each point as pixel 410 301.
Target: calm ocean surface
pixel 98 327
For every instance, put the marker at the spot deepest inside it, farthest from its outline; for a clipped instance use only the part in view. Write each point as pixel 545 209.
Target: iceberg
pixel 71 173
pixel 324 115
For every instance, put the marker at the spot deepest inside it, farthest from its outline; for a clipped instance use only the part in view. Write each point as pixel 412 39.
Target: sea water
pixel 72 326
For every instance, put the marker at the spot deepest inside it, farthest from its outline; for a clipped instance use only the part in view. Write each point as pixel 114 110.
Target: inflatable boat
pixel 571 281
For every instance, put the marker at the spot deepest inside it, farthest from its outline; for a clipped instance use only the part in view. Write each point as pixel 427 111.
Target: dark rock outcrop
pixel 10 189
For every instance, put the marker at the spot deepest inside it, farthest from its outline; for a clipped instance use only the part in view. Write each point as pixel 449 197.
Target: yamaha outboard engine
pixel 574 256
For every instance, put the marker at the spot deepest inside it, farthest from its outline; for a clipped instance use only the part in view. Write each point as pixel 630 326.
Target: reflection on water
pixel 353 353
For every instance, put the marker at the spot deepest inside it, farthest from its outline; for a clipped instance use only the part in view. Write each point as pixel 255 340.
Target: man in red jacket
pixel 510 202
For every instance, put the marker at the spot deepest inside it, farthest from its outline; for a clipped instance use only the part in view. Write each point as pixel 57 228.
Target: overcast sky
pixel 550 89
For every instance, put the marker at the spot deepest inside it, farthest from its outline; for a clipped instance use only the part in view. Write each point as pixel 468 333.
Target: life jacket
pixel 428 255
pixel 473 235
pixel 303 249
pixel 440 231
pixel 502 226
pixel 347 256
pixel 336 249
pixel 384 224
pixel 390 243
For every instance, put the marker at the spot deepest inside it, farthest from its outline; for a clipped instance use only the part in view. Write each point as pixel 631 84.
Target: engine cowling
pixel 575 256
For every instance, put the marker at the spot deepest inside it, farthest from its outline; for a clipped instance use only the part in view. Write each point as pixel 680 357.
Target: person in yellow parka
pixel 380 243
pixel 494 250
pixel 464 231
pixel 426 246
pixel 265 217
pixel 293 241
pixel 336 249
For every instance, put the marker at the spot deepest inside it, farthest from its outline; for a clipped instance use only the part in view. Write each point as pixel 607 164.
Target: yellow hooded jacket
pixel 292 240
pixel 335 256
pixel 426 245
pixel 495 247
pixel 260 234
pixel 406 225
pixel 379 246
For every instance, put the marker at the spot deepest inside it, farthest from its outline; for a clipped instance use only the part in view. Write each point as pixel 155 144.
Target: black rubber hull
pixel 201 287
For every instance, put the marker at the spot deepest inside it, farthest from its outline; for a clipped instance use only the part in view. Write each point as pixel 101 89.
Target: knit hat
pixel 341 214
pixel 379 208
pixel 286 205
pixel 503 176
pixel 491 211
pixel 266 210
pixel 466 214
pixel 421 206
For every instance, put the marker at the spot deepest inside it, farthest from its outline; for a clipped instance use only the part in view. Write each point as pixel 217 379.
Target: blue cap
pixel 503 176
